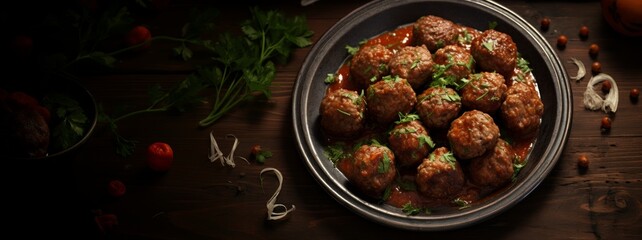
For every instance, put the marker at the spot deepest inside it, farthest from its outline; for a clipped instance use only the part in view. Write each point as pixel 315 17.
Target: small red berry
pixel 160 156
pixel 606 123
pixel 582 161
pixel 256 149
pixel 116 188
pixel 635 93
pixel 606 86
pixel 594 49
pixel 596 68
pixel 562 40
pixel 584 32
pixel 138 35
pixel 545 23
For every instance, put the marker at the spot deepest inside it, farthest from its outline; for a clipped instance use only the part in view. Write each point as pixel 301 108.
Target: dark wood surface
pixel 198 199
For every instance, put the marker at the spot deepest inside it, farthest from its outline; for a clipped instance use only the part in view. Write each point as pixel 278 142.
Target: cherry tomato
pixel 116 188
pixel 596 68
pixel 606 124
pixel 594 49
pixel 160 156
pixel 138 35
pixel 256 149
pixel 606 86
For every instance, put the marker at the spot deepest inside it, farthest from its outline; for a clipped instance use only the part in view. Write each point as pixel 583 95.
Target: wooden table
pixel 198 199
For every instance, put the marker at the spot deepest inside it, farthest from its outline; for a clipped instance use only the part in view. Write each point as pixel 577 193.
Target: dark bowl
pixel 39 85
pixel 379 16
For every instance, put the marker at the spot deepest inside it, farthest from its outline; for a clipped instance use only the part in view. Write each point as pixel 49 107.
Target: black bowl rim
pixel 518 191
pixel 90 127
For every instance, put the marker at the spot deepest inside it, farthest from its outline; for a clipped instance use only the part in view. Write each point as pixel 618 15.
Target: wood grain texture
pixel 198 199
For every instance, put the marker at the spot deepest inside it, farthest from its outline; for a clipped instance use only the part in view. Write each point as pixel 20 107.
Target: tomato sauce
pixel 400 193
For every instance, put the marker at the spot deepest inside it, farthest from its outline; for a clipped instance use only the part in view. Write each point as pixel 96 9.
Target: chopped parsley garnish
pixel 425 139
pixel 463 204
pixel 517 167
pixel 450 97
pixel 330 78
pixel 411 210
pixel 352 50
pixel 404 118
pixel 492 25
pixel 336 152
pixel 384 164
pixel 490 45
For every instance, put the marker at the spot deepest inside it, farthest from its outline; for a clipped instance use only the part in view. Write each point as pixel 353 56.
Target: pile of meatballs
pixel 451 79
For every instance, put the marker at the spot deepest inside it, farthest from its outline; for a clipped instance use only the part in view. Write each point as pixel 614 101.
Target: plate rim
pixel 459 219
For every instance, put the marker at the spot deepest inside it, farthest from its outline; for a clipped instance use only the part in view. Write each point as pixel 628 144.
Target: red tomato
pixel 160 156
pixel 138 35
pixel 116 188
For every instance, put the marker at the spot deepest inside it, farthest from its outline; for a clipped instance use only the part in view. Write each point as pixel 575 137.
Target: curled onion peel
pixel 581 70
pixel 593 101
pixel 271 205
pixel 216 153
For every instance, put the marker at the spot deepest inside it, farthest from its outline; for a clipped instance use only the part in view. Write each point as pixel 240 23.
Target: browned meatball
pixel 373 169
pixel 24 133
pixel 438 106
pixel 369 64
pixel 493 168
pixel 412 63
pixel 472 134
pixel 434 32
pixel 522 110
pixel 342 113
pixel 409 140
pixel 466 35
pixel 495 51
pixel 452 62
pixel 485 92
pixel 388 98
pixel 440 175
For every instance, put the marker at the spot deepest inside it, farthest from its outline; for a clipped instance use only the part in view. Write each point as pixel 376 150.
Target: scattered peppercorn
pixel 606 86
pixel 606 124
pixel 562 40
pixel 596 68
pixel 635 94
pixel 545 23
pixel 582 161
pixel 594 49
pixel 584 32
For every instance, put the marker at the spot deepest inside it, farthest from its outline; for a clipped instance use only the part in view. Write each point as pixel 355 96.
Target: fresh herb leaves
pixel 70 119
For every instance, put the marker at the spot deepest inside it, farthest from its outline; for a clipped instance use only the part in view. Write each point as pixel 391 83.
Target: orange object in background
pixel 624 16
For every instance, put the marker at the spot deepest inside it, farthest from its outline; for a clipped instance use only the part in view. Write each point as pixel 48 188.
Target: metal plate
pixel 379 16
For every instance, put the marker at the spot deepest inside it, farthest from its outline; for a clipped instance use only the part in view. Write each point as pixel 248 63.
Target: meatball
pixel 434 32
pixel 373 169
pixel 472 134
pixel 388 98
pixel 409 141
pixel 493 168
pixel 24 133
pixel 438 106
pixel 342 113
pixel 522 110
pixel 440 175
pixel 452 62
pixel 495 51
pixel 412 63
pixel 485 92
pixel 466 35
pixel 369 64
